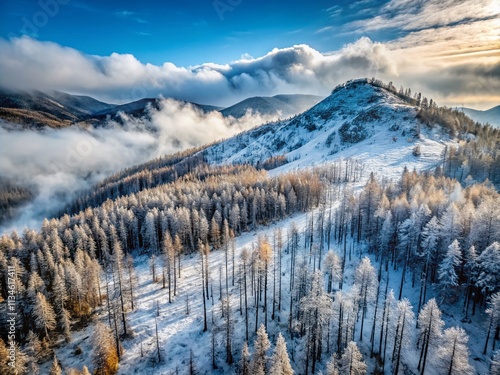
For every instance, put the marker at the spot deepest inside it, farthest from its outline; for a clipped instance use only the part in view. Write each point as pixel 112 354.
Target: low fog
pixel 60 163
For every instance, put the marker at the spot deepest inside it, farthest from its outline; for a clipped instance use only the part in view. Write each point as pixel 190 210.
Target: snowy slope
pixel 358 120
pixel 180 332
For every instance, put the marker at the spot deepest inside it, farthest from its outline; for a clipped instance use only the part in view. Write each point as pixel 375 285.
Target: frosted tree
pixel 341 305
pixel 265 256
pixel 120 281
pixel 331 366
pixel 387 316
pixel 59 296
pixel 351 362
pixel 366 278
pixel 488 268
pixel 447 273
pixel 43 315
pixel 261 346
pixel 33 346
pixel 471 274
pixel 105 356
pixel 168 253
pixel 402 332
pixel 430 329
pixel 385 235
pixel 280 362
pixel 316 310
pixel 495 364
pixel 20 364
pixel 430 240
pixel 450 224
pixel 151 234
pixel 493 311
pixel 245 360
pixel 453 356
pixel 333 269
pixel 55 369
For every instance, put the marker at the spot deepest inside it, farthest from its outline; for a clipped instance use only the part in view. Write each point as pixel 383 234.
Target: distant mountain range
pixel 490 116
pixel 282 105
pixel 37 109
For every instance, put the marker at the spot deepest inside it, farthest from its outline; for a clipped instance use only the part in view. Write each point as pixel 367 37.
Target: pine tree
pixel 447 273
pixel 366 278
pixel 331 366
pixel 453 354
pixel 493 311
pixel 430 327
pixel 105 357
pixel 20 364
pixel 333 268
pixel 488 268
pixel 280 363
pixel 352 362
pixel 55 369
pixel 402 329
pixel 43 315
pixel 261 346
pixel 316 308
pixel 430 239
pixel 245 360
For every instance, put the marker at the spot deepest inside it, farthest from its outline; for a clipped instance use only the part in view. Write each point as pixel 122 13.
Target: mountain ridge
pixel 490 116
pixel 55 109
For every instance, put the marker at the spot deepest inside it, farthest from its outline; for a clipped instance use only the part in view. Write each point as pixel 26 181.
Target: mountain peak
pixel 362 118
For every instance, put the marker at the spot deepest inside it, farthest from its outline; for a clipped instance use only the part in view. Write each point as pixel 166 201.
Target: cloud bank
pixel 441 52
pixel 30 64
pixel 60 163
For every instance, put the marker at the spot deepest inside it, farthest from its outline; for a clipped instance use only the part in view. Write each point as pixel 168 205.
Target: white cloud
pixel 418 15
pixel 30 64
pixel 440 39
pixel 59 163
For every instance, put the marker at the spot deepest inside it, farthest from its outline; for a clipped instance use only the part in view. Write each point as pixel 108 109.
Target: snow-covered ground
pixel 180 332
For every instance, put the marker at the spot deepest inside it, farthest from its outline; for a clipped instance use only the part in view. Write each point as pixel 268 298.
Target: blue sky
pixel 187 32
pixel 222 51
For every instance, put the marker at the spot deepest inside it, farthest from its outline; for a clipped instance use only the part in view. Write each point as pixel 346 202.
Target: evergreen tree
pixel 245 360
pixel 352 362
pixel 453 355
pixel 430 328
pixel 402 332
pixel 105 358
pixel 43 315
pixel 493 311
pixel 331 366
pixel 280 363
pixel 488 269
pixel 261 346
pixel 447 273
pixel 55 369
pixel 366 278
pixel 332 268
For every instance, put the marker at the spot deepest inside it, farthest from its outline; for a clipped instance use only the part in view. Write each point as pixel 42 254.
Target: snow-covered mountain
pixel 490 116
pixel 358 119
pixel 279 105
